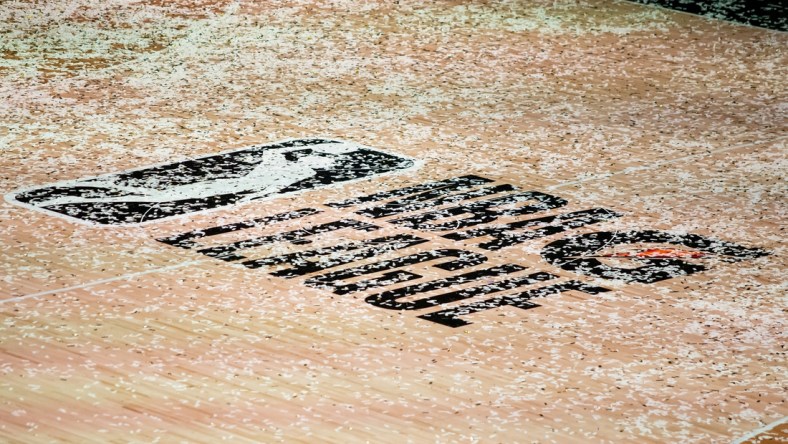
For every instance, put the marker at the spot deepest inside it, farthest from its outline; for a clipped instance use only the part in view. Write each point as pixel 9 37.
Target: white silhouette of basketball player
pixel 272 174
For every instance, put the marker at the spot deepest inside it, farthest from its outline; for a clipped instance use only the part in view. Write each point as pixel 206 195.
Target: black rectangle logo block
pixel 204 183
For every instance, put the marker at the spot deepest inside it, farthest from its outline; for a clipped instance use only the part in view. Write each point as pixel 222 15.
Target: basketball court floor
pixel 391 221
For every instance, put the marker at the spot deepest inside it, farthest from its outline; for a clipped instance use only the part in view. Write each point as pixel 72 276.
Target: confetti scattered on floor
pixel 340 221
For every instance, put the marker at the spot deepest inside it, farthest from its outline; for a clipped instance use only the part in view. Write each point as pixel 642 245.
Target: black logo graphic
pixel 204 183
pixel 584 254
pixel 469 210
pixel 399 267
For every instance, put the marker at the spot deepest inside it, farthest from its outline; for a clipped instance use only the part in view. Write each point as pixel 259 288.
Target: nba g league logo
pixel 476 215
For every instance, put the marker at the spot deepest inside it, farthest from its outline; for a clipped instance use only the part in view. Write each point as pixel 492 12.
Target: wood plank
pixel 613 136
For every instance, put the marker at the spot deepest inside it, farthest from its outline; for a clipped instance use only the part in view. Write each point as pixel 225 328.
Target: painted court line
pixel 552 187
pixel 662 163
pixel 758 431
pixel 102 281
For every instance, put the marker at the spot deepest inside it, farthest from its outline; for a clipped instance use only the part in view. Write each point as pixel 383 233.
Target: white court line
pixel 552 187
pixel 758 431
pixel 102 281
pixel 661 163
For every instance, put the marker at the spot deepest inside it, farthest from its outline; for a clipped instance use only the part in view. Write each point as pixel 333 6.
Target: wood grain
pixel 673 121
